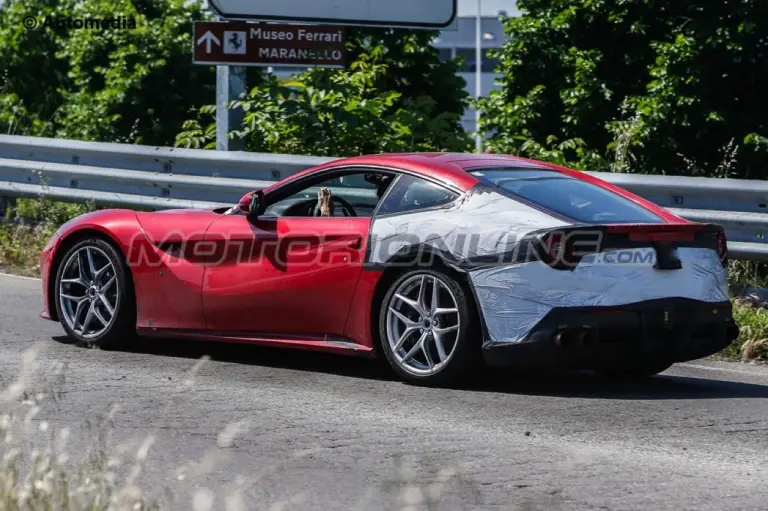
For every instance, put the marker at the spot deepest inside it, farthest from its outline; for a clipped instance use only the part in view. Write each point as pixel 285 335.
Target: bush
pixel 22 239
pixel 395 96
pixel 20 247
pixel 674 87
pixel 131 85
pixel 753 339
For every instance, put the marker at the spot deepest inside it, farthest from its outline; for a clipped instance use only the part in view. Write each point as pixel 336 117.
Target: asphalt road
pixel 327 432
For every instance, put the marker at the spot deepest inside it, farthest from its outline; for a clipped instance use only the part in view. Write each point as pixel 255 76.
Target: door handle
pixel 343 243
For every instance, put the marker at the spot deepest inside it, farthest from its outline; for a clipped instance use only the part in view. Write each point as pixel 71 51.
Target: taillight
pixel 722 247
pixel 558 251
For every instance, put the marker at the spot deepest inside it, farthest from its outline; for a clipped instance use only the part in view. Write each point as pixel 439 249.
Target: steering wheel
pixel 346 207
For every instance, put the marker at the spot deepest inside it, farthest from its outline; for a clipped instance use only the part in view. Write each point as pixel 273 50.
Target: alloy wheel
pixel 422 324
pixel 89 292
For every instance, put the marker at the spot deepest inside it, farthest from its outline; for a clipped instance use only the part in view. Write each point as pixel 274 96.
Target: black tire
pixel 635 370
pixel 122 328
pixel 465 361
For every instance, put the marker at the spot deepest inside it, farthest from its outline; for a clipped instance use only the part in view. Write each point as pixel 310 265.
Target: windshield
pixel 567 196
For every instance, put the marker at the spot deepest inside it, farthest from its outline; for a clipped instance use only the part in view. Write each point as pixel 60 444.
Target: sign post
pixel 232 46
pixel 230 85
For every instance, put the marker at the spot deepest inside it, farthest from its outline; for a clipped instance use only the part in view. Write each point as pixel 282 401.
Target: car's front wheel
pixel 94 295
pixel 428 328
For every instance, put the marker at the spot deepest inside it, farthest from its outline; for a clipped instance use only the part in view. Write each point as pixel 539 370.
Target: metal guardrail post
pixel 7 205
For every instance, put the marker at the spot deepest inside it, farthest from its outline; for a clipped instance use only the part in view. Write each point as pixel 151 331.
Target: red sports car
pixel 438 262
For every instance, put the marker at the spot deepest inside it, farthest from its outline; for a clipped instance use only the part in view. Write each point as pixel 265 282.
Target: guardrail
pixel 163 177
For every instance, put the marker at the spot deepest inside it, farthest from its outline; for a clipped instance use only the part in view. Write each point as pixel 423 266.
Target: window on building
pixel 489 63
pixel 468 54
pixel 445 54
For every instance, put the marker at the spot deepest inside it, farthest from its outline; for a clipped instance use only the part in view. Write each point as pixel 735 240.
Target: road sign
pixel 432 14
pixel 267 44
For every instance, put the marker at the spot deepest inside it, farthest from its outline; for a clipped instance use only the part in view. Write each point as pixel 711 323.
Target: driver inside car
pixel 325 202
pixel 325 197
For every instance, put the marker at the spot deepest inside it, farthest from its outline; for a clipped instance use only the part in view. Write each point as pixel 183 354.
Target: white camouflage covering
pixel 513 298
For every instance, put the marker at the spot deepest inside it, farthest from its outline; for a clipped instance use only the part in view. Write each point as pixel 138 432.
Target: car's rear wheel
pixel 94 295
pixel 428 328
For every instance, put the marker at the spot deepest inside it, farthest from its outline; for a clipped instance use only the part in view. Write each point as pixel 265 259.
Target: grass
pixel 33 222
pixel 752 343
pixel 81 468
pixel 38 472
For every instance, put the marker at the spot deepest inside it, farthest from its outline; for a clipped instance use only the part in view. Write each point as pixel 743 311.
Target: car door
pixel 283 276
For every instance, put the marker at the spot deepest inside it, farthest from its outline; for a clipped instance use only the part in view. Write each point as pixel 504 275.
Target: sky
pixel 489 7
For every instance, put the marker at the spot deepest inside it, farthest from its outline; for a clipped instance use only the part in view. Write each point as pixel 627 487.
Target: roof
pixel 448 167
pixel 451 168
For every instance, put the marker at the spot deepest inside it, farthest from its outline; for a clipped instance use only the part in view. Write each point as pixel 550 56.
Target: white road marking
pixel 18 276
pixel 723 369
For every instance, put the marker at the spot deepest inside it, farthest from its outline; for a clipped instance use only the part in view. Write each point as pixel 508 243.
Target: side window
pixel 358 191
pixel 411 193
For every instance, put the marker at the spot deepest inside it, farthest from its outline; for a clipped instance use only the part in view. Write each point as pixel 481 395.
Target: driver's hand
pixel 325 202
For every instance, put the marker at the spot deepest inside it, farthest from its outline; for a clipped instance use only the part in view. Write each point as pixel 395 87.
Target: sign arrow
pixel 208 38
pixel 227 44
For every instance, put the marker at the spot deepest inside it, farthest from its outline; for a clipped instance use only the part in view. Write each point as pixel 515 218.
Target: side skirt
pixel 328 344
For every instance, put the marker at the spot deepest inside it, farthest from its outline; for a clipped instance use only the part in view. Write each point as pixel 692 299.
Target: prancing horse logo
pixel 235 41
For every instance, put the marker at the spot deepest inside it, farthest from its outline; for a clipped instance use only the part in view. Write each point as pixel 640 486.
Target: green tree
pixel 31 74
pixel 133 84
pixel 705 108
pixel 643 85
pixel 138 84
pixel 395 95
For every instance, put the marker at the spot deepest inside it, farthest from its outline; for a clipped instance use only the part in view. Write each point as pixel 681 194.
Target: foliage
pixel 744 274
pixel 753 337
pixel 396 95
pixel 125 85
pixel 47 211
pixel 662 86
pixel 138 84
pixel 22 239
pixel 20 247
pixel 31 74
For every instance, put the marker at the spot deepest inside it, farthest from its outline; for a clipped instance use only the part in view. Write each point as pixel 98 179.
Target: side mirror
pixel 252 203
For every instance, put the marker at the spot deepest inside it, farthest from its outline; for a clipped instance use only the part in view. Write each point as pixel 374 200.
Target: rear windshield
pixel 565 195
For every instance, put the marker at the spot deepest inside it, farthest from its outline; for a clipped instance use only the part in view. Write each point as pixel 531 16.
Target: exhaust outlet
pixel 567 338
pixel 587 337
pixel 560 339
